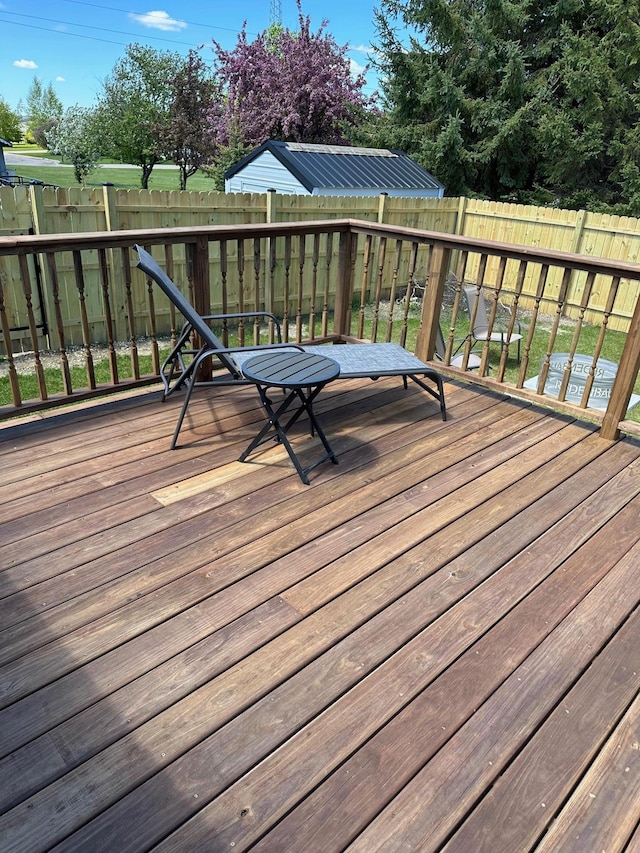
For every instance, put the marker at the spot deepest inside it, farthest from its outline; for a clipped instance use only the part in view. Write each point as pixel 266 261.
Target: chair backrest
pixel 481 321
pixel 440 345
pixel 148 265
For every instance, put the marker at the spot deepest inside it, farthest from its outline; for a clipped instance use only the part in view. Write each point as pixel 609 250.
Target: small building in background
pixel 309 169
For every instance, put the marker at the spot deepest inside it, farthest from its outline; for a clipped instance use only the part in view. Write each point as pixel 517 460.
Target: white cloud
pixel 25 63
pixel 60 79
pixel 356 68
pixel 158 21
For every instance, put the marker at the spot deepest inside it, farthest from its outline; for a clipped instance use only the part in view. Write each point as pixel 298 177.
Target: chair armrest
pixel 247 315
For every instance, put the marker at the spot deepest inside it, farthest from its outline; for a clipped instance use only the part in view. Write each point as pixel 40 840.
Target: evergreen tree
pixel 516 100
pixel 44 109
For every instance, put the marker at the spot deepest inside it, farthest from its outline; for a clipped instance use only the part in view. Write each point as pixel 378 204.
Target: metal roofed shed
pixel 309 169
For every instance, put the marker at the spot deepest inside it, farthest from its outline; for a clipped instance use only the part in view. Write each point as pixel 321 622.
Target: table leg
pixel 273 422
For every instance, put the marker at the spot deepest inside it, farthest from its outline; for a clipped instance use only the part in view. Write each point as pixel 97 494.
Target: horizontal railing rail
pixel 77 319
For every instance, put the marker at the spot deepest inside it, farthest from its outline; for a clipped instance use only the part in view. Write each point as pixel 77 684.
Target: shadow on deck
pixel 435 646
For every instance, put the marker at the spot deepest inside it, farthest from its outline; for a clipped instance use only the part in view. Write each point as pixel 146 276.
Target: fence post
pixel 462 209
pixel 624 381
pixel 439 263
pixel 344 285
pixel 382 206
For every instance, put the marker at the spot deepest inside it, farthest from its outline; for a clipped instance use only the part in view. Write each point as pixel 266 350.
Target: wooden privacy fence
pixel 340 280
pixel 39 210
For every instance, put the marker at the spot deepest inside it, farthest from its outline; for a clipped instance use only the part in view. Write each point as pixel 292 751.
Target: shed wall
pixel 262 174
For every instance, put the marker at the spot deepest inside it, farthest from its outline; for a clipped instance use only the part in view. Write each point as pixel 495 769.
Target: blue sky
pixel 74 45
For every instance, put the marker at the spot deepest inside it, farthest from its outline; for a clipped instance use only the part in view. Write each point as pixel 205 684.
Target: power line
pixel 85 27
pixel 130 12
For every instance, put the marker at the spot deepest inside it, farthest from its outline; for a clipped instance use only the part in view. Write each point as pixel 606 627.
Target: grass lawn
pixel 123 178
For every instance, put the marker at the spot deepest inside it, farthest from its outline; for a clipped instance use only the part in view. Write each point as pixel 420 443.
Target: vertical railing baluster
pixel 84 320
pixel 240 244
pixel 55 289
pixel 484 358
pixel 314 285
pixel 520 278
pixel 495 299
pixel 168 259
pixel 392 294
pixel 382 251
pixel 33 331
pixel 287 283
pixel 273 255
pixel 611 298
pixel 155 354
pixel 257 260
pixel 14 383
pixel 413 260
pixel 327 284
pixel 461 271
pixel 108 318
pixel 224 267
pixel 526 350
pixel 577 329
pixel 562 295
pixel 301 260
pixel 364 284
pixel 131 316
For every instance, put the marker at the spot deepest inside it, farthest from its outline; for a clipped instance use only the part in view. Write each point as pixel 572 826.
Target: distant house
pixel 307 169
pixel 4 143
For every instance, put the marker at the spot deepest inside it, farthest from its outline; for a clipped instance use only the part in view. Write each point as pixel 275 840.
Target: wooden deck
pixel 435 646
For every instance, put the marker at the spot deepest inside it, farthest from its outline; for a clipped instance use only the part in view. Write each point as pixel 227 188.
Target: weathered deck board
pixel 196 653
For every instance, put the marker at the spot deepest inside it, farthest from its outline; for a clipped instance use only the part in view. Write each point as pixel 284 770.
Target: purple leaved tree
pixel 189 138
pixel 293 86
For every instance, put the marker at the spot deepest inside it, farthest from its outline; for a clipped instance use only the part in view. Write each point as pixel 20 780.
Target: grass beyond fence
pixel 125 177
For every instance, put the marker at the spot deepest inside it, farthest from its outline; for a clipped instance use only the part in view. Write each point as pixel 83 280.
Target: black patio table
pixel 303 375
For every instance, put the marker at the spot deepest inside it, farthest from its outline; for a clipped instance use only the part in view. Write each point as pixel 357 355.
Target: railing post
pixel 344 285
pixel 432 301
pixel 624 381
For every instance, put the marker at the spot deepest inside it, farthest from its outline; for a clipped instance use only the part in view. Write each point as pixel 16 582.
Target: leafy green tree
pixel 44 107
pixel 74 138
pixel 516 99
pixel 10 124
pixel 133 110
pixel 189 138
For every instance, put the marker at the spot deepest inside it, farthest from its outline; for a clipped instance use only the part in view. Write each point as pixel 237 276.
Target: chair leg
pixel 438 395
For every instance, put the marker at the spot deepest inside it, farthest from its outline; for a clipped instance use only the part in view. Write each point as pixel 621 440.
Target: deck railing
pixel 77 319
